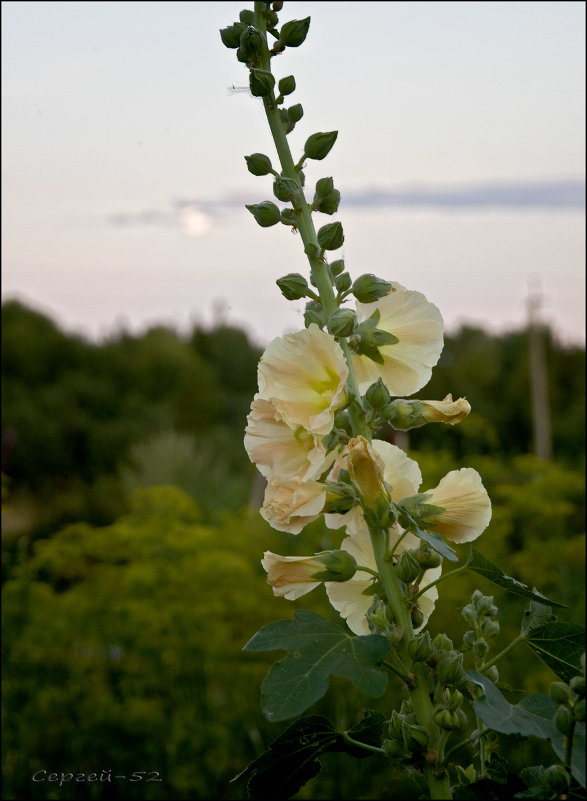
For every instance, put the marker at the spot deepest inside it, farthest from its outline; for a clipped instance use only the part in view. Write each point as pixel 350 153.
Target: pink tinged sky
pixel 124 181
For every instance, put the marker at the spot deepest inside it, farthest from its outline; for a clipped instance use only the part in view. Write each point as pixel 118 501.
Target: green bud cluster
pixel 326 197
pixel 421 647
pixel 405 737
pixel 480 614
pixel 571 700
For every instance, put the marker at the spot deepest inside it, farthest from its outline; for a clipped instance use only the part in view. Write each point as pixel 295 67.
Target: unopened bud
pixel 490 628
pixel 368 288
pixel 416 616
pixel 450 669
pixel 563 719
pixel 319 145
pixel 261 82
pixel 469 614
pixel 469 639
pixel 378 617
pixel 231 35
pixel 340 498
pixel 579 710
pixel 289 217
pixel 265 213
pixel 293 33
pixel 287 85
pixel 416 737
pixel 420 648
pixel 377 396
pixel 556 779
pixel 560 692
pixel 259 164
pixel 295 113
pixel 442 643
pixel 454 700
pixel 577 685
pixel 252 42
pixel 342 282
pixel 337 267
pixel 450 721
pixel 394 749
pixel 285 189
pixel 484 604
pixel 328 204
pixel 293 286
pixel 407 568
pixel 331 236
pixel 492 673
pixel 480 648
pixel 342 322
pixel 324 187
pixel 338 566
pixel 427 558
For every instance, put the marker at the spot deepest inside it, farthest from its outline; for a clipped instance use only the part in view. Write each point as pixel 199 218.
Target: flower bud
pixel 319 145
pixel 556 779
pixel 327 205
pixel 577 685
pixel 252 42
pixel 469 614
pixel 416 616
pixel 407 568
pixel 366 469
pixel 368 288
pixel 450 721
pixel 231 35
pixel 492 673
pixel 338 566
pixel 379 617
pixel 287 85
pixel 259 164
pixel 265 213
pixel 427 557
pixel 476 597
pixel 484 604
pixel 579 710
pixel 337 267
pixel 394 749
pixel 271 20
pixel 490 628
pixel 416 737
pixel 261 82
pixel 295 113
pixel 420 648
pixel 480 648
pixel 342 282
pixel 285 189
pixel 247 16
pixel 324 187
pixel 313 315
pixel 563 719
pixel 293 286
pixel 277 5
pixel 377 396
pixel 442 643
pixel 469 639
pixel 293 33
pixel 340 498
pixel 560 692
pixel 331 236
pixel 289 217
pixel 342 322
pixel 450 669
pixel 454 700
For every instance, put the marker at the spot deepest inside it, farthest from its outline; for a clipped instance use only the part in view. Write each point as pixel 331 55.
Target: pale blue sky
pixel 123 109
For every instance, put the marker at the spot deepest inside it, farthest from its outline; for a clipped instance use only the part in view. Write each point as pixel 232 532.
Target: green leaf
pixel 493 573
pixel 543 706
pixel 435 541
pixel 317 649
pixel 292 759
pixel 536 615
pixel 560 646
pixel 498 714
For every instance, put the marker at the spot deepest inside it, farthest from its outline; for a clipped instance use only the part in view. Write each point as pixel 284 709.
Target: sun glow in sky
pixel 124 181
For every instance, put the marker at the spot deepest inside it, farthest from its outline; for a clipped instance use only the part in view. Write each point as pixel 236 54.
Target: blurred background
pixel 138 295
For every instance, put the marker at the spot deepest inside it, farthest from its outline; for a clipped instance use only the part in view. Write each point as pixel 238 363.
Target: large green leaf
pixel 498 714
pixel 536 615
pixel 495 574
pixel 560 646
pixel 440 546
pixel 317 649
pixel 292 759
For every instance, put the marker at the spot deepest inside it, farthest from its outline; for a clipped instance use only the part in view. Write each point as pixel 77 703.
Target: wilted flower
pixel 399 471
pixel 406 414
pixel 294 576
pixel 466 508
pixel 290 505
pixel 407 364
pixel 353 598
pixel 281 452
pixel 303 375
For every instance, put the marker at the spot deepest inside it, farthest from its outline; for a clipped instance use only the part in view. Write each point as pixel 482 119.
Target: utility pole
pixel 538 378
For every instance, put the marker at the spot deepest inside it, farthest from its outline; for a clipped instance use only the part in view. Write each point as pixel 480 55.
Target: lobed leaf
pixel 317 649
pixel 495 574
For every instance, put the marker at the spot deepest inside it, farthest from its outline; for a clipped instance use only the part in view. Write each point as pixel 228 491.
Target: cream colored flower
pixel 417 323
pixel 399 471
pixel 281 452
pixel 353 598
pixel 406 414
pixel 294 576
pixel 303 376
pixel 466 508
pixel 290 505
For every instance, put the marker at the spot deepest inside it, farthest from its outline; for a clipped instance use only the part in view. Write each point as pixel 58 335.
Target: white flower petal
pixel 466 504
